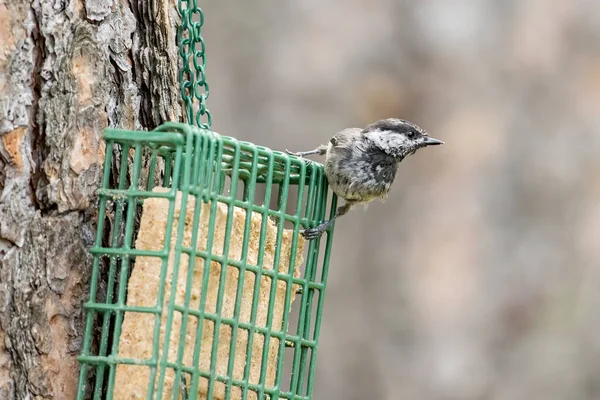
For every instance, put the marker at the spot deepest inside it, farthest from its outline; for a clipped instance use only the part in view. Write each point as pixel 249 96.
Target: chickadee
pixel 361 164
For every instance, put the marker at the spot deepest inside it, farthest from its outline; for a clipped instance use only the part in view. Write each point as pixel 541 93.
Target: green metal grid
pixel 199 163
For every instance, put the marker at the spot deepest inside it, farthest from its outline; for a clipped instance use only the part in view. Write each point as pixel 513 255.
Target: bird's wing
pixel 345 138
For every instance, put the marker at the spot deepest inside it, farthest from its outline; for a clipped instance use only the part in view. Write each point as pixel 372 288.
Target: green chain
pixel 191 44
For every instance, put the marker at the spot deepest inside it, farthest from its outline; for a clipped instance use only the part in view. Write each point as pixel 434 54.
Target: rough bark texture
pixel 68 69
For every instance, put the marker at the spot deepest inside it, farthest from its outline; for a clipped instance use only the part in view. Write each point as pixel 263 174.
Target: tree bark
pixel 68 69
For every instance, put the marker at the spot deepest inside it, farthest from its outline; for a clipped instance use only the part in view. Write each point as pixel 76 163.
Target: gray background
pixel 479 278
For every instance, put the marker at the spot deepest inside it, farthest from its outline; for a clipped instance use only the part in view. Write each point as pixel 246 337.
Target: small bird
pixel 361 164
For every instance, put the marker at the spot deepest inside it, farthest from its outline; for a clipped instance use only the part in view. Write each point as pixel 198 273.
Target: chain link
pixel 192 51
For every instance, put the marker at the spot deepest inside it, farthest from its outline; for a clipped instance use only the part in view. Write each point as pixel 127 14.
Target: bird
pixel 361 163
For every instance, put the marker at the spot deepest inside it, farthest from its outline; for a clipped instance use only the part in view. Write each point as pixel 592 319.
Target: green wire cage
pixel 202 286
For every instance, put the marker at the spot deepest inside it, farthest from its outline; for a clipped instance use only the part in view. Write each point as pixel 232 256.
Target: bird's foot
pixel 301 155
pixel 312 233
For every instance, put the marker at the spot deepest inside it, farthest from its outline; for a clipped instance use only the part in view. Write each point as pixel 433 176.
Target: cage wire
pixel 201 285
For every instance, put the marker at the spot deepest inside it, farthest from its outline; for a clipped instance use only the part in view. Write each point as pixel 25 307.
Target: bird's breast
pixel 360 176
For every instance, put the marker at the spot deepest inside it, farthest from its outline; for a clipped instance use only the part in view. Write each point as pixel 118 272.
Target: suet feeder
pixel 202 286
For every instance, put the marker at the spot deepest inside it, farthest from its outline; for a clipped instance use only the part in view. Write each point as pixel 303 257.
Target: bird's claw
pixel 308 161
pixel 297 154
pixel 312 233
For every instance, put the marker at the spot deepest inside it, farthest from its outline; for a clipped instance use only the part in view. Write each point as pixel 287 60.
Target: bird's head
pixel 398 138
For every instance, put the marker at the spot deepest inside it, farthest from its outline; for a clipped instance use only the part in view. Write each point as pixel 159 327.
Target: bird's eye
pixel 411 134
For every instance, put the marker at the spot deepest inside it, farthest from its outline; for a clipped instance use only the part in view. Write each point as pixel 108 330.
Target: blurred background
pixel 479 278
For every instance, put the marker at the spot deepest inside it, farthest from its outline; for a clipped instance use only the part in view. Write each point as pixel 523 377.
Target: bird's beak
pixel 429 141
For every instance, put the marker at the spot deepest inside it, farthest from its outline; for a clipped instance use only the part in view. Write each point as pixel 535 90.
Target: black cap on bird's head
pixel 398 137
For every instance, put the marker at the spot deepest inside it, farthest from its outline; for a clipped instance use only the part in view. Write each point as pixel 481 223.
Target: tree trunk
pixel 68 69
